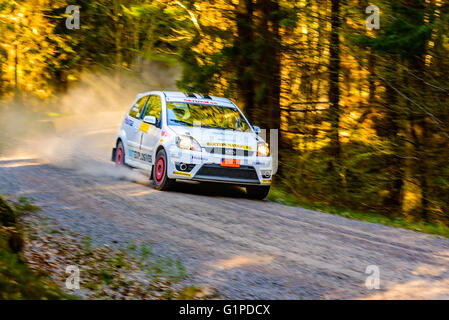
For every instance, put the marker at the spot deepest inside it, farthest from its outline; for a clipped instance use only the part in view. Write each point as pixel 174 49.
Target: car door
pixel 151 133
pixel 132 124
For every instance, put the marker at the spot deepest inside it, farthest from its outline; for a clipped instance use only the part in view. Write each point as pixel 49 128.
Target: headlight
pixel 263 150
pixel 188 143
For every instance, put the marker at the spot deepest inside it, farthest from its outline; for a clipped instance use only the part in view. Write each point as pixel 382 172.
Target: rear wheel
pixel 160 179
pixel 257 192
pixel 120 154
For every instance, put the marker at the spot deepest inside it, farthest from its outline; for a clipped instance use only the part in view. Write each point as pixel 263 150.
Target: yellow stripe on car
pixel 182 173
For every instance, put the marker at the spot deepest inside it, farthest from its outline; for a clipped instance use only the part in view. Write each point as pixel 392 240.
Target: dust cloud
pixel 81 132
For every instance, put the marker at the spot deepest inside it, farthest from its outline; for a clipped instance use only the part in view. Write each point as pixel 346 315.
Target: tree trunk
pixel 268 66
pixel 418 121
pixel 391 124
pixel 118 44
pixel 16 77
pixel 334 95
pixel 245 47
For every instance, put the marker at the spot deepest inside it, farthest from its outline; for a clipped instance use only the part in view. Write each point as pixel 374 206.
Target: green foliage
pixel 25 204
pixel 167 268
pixel 7 214
pixel 17 281
pixel 401 36
pixel 200 78
pixel 282 195
pixel 145 251
pixel 87 245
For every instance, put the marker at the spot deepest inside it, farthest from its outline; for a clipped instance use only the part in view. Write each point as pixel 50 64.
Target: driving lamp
pixel 263 150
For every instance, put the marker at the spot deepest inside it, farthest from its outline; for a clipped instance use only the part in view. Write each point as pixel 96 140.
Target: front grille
pixel 230 152
pixel 217 171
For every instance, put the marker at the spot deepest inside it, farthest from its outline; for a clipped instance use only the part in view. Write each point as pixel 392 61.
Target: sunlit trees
pixel 363 114
pixel 28 47
pixel 413 113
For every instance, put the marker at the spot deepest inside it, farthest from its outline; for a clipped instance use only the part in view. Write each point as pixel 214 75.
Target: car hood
pixel 208 137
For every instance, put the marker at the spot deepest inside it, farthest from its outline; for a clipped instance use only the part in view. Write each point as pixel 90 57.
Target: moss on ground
pixel 17 281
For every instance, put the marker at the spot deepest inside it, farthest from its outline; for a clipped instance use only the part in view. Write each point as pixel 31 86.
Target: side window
pixel 137 107
pixel 154 107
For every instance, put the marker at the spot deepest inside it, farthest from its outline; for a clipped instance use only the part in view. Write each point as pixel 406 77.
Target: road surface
pixel 245 249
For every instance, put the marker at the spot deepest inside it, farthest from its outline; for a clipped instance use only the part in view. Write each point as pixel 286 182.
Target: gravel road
pixel 243 248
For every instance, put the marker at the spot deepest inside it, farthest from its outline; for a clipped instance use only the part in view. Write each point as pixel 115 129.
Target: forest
pixel 362 112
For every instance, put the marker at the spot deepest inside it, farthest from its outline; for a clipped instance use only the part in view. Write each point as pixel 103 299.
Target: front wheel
pixel 160 179
pixel 257 192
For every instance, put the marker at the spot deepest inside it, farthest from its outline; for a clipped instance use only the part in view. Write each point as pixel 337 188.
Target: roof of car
pixel 182 95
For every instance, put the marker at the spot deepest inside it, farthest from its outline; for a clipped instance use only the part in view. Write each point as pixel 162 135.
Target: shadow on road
pixel 210 189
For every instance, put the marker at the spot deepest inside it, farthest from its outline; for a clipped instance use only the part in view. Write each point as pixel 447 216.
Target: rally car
pixel 187 136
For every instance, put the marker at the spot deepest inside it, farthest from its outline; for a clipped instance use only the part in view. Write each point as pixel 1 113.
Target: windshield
pixel 217 117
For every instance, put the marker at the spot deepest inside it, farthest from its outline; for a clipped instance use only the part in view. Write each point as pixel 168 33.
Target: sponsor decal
pixel 200 101
pixel 266 180
pixel 193 101
pixel 144 127
pixel 182 173
pixel 129 122
pixel 140 156
pixel 227 145
pixel 199 158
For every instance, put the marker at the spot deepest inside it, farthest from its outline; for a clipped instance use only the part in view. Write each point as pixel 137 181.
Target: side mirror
pixel 150 120
pixel 256 129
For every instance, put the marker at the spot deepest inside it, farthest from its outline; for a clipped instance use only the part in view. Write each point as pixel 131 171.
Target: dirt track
pixel 243 248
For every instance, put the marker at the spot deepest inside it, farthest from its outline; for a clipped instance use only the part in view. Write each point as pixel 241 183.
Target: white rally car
pixel 178 136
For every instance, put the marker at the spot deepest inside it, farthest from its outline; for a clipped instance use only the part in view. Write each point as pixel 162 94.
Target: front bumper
pixel 215 172
pixel 203 166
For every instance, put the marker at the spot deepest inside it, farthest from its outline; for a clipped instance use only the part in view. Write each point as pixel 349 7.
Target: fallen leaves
pixel 105 272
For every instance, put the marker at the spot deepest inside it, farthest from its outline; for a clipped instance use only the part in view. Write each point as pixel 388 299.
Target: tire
pixel 120 155
pixel 160 179
pixel 257 192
